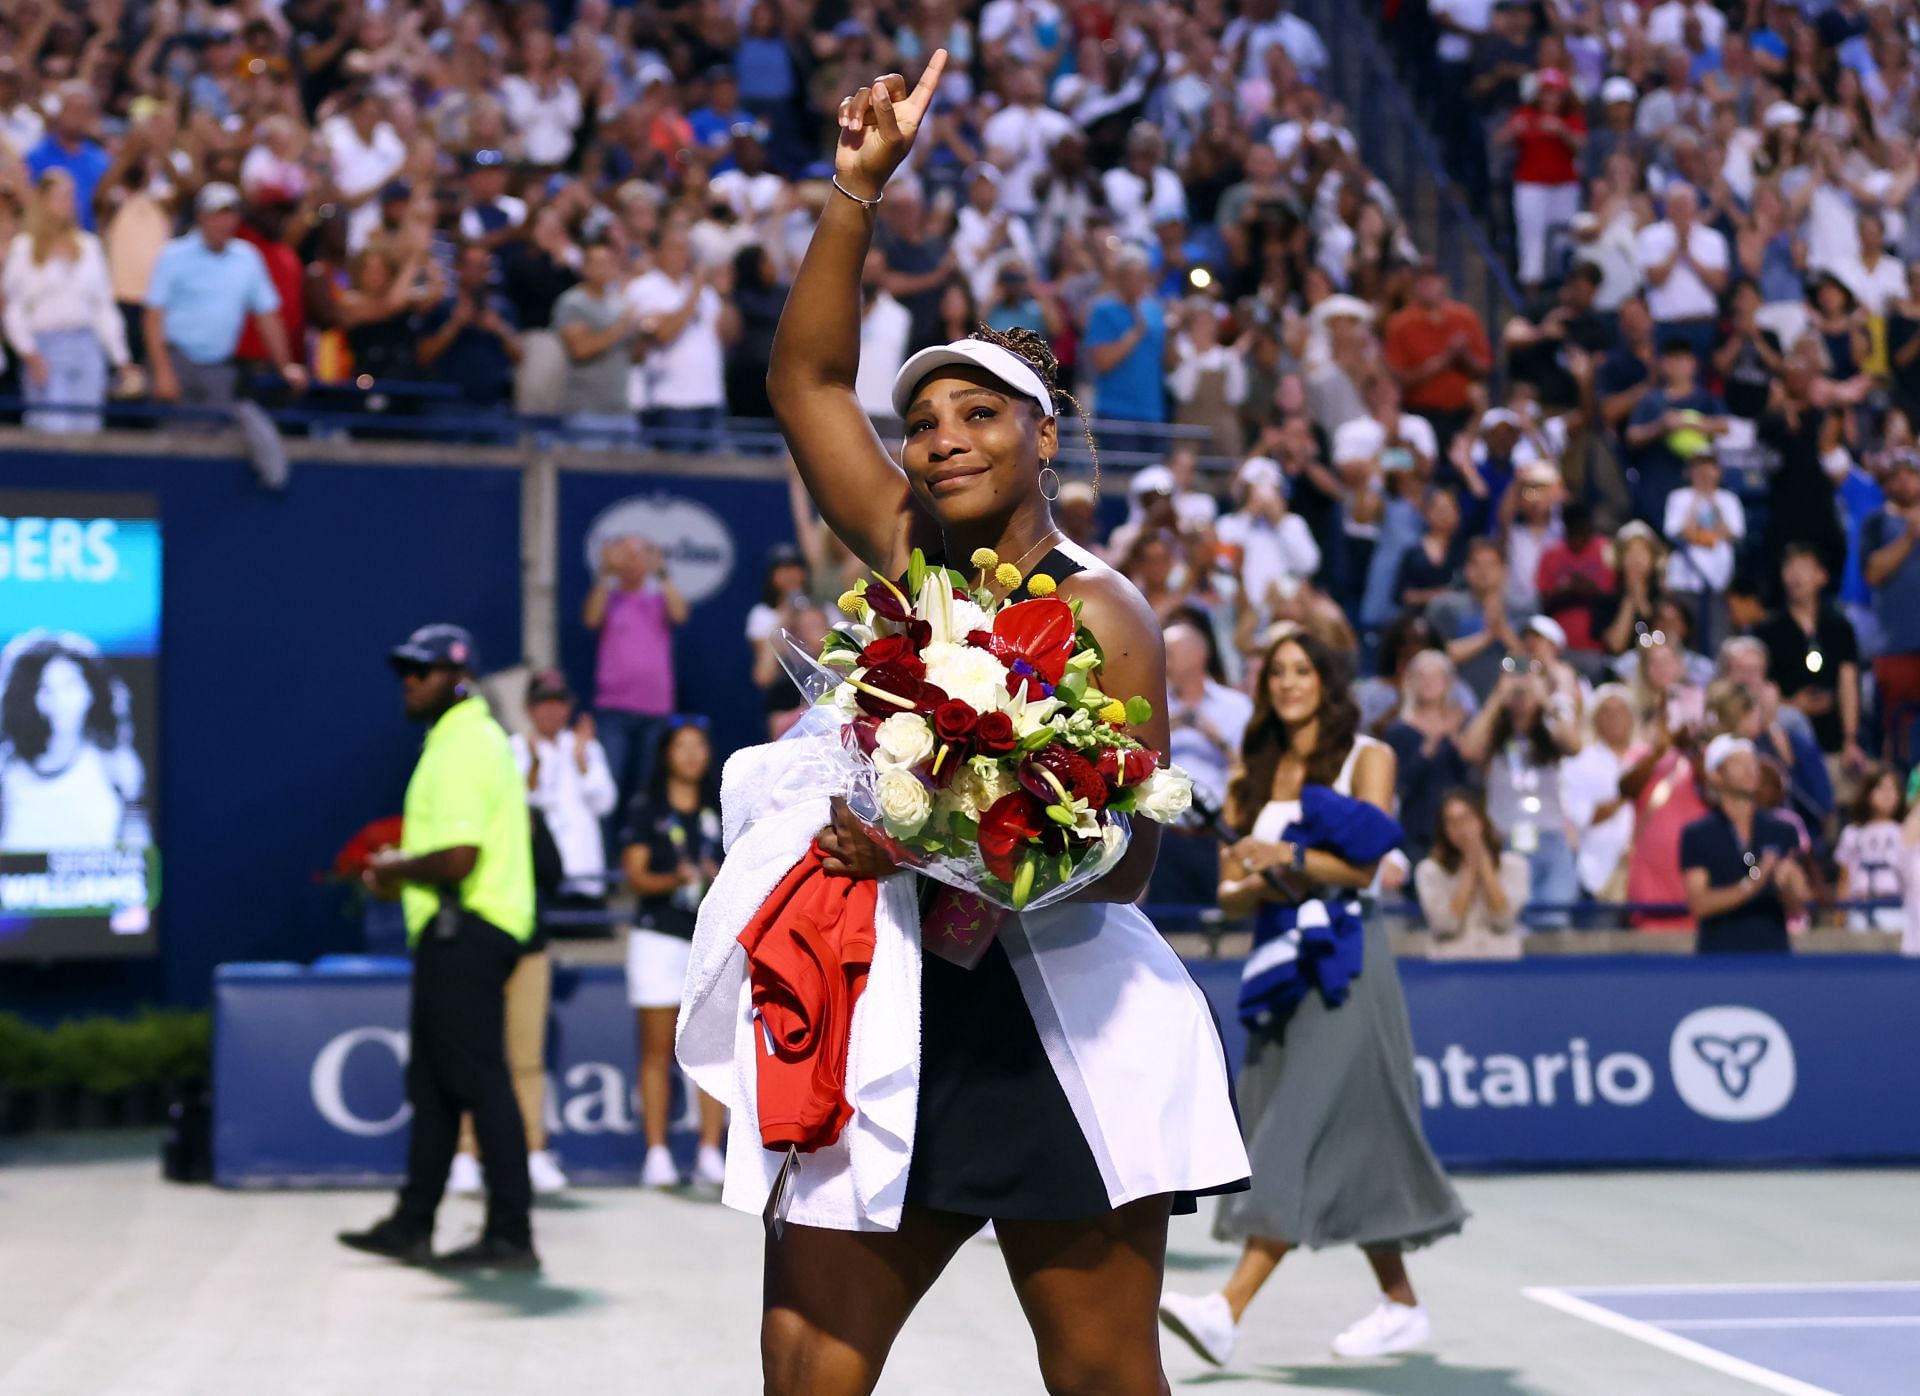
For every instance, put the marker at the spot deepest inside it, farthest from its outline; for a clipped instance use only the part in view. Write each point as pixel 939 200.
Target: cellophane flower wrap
pixel 980 752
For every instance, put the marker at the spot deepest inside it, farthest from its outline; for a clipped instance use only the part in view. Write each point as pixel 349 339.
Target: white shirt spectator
pixel 362 167
pixel 1683 296
pixel 1364 438
pixel 546 117
pixel 1832 230
pixel 1694 568
pixel 515 209
pixel 1139 204
pixel 22 128
pixel 884 331
pixel 691 371
pixel 1206 737
pixel 1279 554
pixel 1299 38
pixel 1023 136
pixel 262 169
pixel 1887 281
pixel 1667 24
pixel 976 232
pixel 1474 16
pixel 750 196
pixel 1016 23
pixel 1526 545
pixel 1589 780
pixel 59 294
pixel 1616 255
pixel 1184 381
pixel 572 802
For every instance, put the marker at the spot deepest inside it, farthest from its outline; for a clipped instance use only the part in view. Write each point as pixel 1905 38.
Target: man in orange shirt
pixel 1437 350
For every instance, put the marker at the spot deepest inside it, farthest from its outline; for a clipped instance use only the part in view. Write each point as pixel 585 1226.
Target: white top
pixel 691 371
pixel 1683 296
pixel 1281 554
pixel 1270 825
pixel 749 196
pixel 1526 545
pixel 884 331
pixel 1874 288
pixel 1184 381
pixel 1667 24
pixel 546 117
pixel 60 294
pixel 1363 438
pixel 1138 204
pixel 1299 38
pixel 1875 859
pixel 1693 568
pixel 981 251
pixel 1588 780
pixel 1474 16
pixel 572 803
pixel 1479 934
pixel 77 807
pixel 1025 135
pixel 1124 1027
pixel 763 622
pixel 515 209
pixel 360 167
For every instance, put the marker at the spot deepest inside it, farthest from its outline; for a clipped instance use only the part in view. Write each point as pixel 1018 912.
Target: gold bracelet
pixel 864 203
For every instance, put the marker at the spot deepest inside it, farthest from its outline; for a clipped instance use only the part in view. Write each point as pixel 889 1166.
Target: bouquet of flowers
pixel 985 756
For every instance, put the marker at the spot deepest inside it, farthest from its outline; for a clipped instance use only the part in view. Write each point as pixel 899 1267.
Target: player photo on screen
pixel 79 648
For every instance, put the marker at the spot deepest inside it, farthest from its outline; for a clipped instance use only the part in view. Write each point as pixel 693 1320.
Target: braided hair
pixel 1039 355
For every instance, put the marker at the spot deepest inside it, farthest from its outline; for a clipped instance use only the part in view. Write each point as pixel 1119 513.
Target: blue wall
pixel 281 727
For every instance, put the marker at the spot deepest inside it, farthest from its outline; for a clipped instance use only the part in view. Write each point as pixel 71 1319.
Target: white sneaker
pixel 463 1179
pixel 1388 1329
pixel 659 1171
pixel 1204 1321
pixel 710 1168
pixel 545 1173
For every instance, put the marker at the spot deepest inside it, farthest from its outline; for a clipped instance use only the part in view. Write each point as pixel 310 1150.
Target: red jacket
pixel 809 948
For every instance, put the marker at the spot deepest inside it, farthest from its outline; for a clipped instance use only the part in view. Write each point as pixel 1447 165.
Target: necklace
pixel 1021 565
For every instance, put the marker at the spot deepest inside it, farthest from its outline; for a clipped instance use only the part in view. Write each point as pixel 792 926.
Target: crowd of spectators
pixel 1675 495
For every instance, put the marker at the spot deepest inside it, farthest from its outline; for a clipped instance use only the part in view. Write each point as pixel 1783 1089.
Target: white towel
pixel 774 800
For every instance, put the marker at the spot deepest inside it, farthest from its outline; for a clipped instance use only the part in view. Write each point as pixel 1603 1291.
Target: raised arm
pixel 860 492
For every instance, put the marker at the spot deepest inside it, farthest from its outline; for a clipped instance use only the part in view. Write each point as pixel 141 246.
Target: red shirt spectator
pixel 1436 348
pixel 289 279
pixel 1543 157
pixel 1576 580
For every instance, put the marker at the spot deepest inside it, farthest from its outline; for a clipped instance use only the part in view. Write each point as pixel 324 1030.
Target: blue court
pixel 1836 1339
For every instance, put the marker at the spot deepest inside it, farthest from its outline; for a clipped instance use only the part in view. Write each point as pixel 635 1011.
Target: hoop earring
pixel 1047 473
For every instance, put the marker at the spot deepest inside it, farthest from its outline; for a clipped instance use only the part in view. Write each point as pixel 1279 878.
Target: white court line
pixel 1672 1342
pixel 1861 1321
pixel 1864 1286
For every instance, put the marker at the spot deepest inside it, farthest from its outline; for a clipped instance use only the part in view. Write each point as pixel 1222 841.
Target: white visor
pixel 1722 747
pixel 1013 372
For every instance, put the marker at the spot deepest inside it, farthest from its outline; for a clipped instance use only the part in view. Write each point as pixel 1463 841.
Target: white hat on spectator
pixel 1499 417
pixel 1338 307
pixel 1723 746
pixel 1780 114
pixel 1618 89
pixel 1548 628
pixel 1152 479
pixel 1078 492
pixel 216 196
pixel 1012 371
pixel 981 169
pixel 1259 470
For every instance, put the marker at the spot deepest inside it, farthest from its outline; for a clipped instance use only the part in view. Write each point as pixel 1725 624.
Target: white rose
pixel 1165 795
pixel 973 676
pixel 847 699
pixel 905 739
pixel 904 804
pixel 967 618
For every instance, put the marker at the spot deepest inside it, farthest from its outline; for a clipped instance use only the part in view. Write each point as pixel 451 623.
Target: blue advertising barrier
pixel 1541 1063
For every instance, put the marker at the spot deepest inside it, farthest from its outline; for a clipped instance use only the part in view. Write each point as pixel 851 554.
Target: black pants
pixel 459 1065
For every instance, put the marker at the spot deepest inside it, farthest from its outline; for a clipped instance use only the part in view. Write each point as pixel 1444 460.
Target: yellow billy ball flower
pixel 1040 584
pixel 1007 575
pixel 985 557
pixel 1114 713
pixel 851 605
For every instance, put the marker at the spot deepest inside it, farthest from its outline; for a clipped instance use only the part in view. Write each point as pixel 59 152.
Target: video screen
pixel 79 724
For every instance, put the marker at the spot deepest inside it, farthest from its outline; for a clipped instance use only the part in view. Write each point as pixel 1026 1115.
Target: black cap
pixel 785 555
pixel 546 685
pixel 1678 344
pixel 450 645
pixel 397 192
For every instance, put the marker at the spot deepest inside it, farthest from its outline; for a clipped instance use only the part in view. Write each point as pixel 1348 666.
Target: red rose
pixel 895 651
pixel 954 721
pixel 994 734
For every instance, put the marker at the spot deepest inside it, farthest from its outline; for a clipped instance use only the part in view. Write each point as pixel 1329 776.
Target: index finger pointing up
pixel 916 105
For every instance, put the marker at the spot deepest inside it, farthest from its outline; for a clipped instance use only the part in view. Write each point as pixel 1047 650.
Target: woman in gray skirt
pixel 1329 1107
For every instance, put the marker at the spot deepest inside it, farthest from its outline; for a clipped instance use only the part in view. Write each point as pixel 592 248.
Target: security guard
pixel 464 875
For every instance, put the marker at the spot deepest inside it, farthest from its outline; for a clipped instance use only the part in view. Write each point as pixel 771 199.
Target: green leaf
pixel 1083 639
pixel 1060 816
pixel 916 574
pixel 1033 741
pixel 1139 711
pixel 1122 801
pixel 965 829
pixel 1023 881
pixel 955 578
pixel 1083 661
pixel 1066 866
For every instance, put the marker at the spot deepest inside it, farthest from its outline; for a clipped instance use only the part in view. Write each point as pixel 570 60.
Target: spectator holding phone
pixel 1520 739
pixel 634 607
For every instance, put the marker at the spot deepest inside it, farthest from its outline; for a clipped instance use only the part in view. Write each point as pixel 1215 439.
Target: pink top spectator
pixel 635 669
